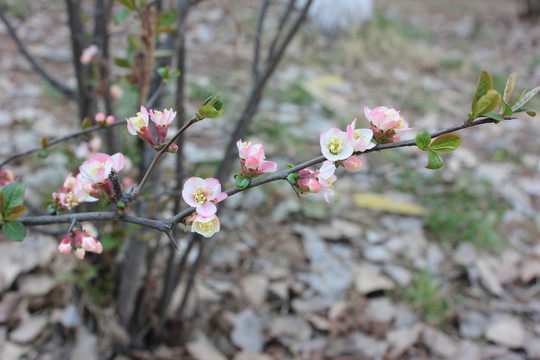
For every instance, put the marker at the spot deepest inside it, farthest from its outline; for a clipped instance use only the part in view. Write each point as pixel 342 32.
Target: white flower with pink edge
pixel 205 225
pixel 327 178
pixel 203 194
pixel 336 144
pixel 252 159
pixel 97 169
pixel 362 137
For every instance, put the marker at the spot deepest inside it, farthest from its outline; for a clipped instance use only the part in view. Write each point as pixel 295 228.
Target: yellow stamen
pixel 201 195
pixel 207 227
pixel 335 145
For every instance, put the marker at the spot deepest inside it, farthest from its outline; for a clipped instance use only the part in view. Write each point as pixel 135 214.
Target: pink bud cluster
pixel 89 54
pixel 6 177
pixel 103 120
pixel 203 194
pixel 74 191
pixel 252 159
pixel 80 241
pixel 139 125
pixel 386 124
pixel 310 181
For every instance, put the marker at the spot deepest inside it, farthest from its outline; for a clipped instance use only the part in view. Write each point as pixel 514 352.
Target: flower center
pixel 335 145
pixel 139 121
pixel 201 195
pixel 94 168
pixel 207 227
pixel 358 134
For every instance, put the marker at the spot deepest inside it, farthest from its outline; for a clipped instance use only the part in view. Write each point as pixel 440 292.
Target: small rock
pixel 532 347
pixel 29 329
pixel 315 303
pixel 380 310
pixel 530 270
pixel 367 281
pixel 8 306
pixel 465 254
pixel 377 253
pixel 472 324
pixel 70 317
pixel 247 333
pixel 251 356
pixel 439 343
pixel 469 351
pixel 487 277
pixel 507 331
pixel 202 349
pixel 280 289
pixel 290 326
pixel 319 322
pixel 399 274
pixel 402 339
pixel 255 287
pixel 36 285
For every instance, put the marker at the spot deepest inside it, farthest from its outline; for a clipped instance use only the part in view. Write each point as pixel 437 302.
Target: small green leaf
pixel 43 154
pixel 434 160
pixel 509 89
pixel 445 143
pixel 494 116
pixel 529 112
pixel 167 18
pixel 215 100
pixel 15 212
pixel 524 98
pixel 506 110
pixel 14 230
pixel 122 62
pixel 130 4
pixel 1 203
pixel 13 196
pixel 485 83
pixel 423 139
pixel 86 123
pixel 121 16
pixel 241 182
pixel 44 142
pixel 487 103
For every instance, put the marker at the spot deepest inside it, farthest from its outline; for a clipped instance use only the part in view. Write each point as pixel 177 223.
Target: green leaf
pixel 15 212
pixel 292 178
pixel 163 53
pixel 529 112
pixel 122 62
pixel 509 88
pixel 494 116
pixel 506 110
pixel 423 139
pixel 130 4
pixel 208 112
pixel 485 83
pixel 241 182
pixel 14 230
pixel 487 103
pixel 445 143
pixel 121 16
pixel 13 196
pixel 434 160
pixel 167 18
pixel 86 123
pixel 524 98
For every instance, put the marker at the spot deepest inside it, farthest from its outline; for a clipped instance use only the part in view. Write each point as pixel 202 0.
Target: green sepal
pixel 289 166
pixel 292 178
pixel 445 143
pixel 241 182
pixel 14 230
pixel 122 62
pixel 215 100
pixel 86 123
pixel 434 160
pixel 423 139
pixel 209 112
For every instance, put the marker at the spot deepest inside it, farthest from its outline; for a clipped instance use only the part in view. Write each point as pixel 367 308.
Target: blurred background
pixel 404 263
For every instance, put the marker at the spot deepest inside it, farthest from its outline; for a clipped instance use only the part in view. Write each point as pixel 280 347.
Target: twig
pixel 22 49
pixel 282 21
pixel 191 276
pixel 257 49
pixel 58 140
pixel 158 156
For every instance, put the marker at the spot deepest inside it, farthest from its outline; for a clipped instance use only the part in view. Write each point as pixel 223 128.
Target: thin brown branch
pixel 38 68
pixel 257 49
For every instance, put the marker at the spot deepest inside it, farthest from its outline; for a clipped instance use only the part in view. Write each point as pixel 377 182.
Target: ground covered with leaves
pixel 405 263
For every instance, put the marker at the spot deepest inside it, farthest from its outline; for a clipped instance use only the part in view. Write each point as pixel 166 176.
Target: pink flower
pixel 89 54
pixel 66 244
pixel 162 120
pixel 97 169
pixel 307 182
pixel 386 124
pixel 205 225
pixel 109 120
pixel 100 118
pixel 362 137
pixel 336 144
pixel 327 178
pixel 354 163
pixel 138 125
pixel 203 194
pixel 6 177
pixel 74 191
pixel 252 159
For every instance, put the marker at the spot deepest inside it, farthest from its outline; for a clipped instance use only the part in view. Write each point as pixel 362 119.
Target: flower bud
pixel 100 118
pixel 354 163
pixel 109 120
